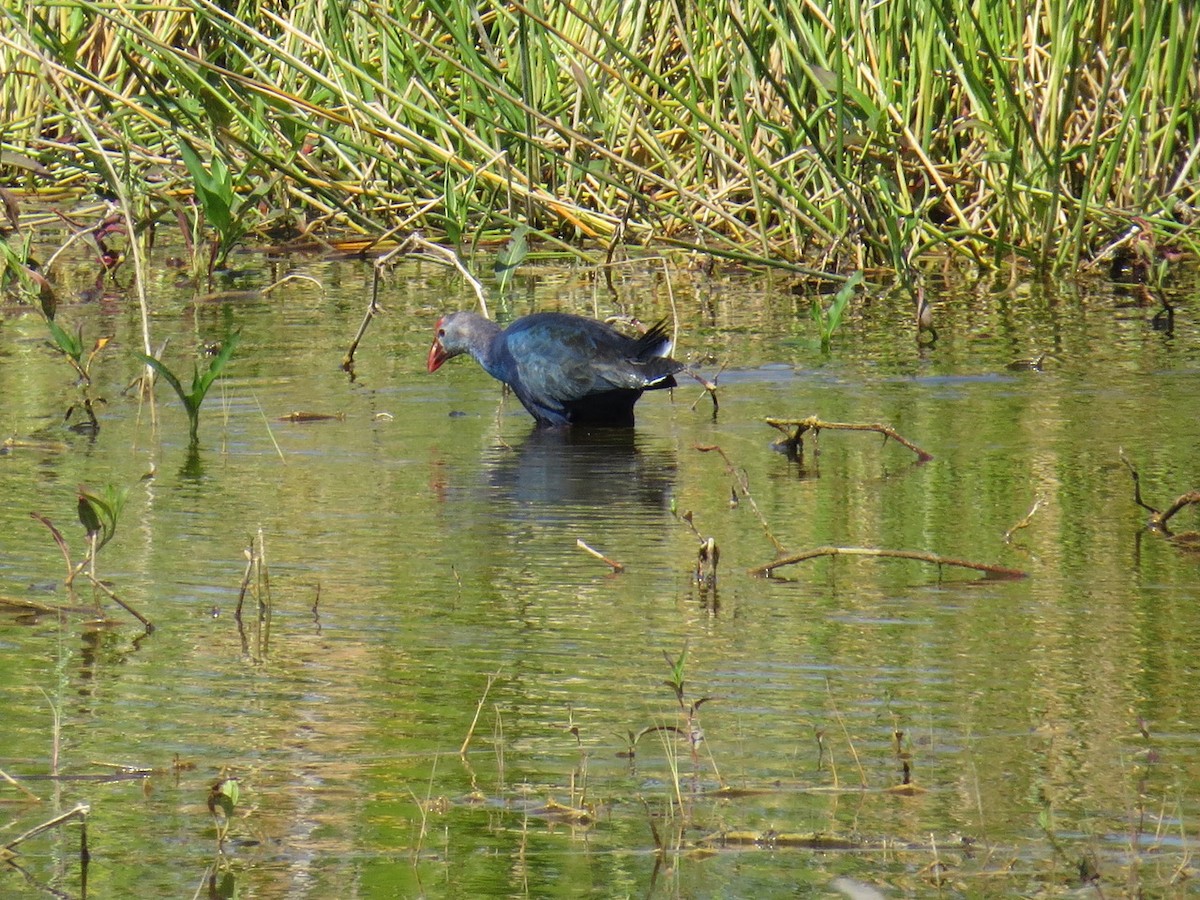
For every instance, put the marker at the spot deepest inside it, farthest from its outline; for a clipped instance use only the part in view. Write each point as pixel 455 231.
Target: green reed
pixel 832 134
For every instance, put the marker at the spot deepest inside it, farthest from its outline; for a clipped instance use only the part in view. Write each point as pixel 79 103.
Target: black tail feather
pixel 656 342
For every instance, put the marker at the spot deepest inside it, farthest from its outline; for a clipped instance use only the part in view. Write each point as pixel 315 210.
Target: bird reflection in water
pixel 604 468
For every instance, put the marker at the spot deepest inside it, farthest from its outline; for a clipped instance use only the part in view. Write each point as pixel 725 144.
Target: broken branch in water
pixel 932 558
pixel 20 604
pixel 707 556
pixel 611 563
pixel 1188 499
pixel 1158 520
pixel 794 429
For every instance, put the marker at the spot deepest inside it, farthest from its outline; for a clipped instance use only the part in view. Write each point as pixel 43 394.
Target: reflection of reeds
pixel 845 132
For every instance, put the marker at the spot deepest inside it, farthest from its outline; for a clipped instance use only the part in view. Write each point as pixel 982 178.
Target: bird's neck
pixel 484 341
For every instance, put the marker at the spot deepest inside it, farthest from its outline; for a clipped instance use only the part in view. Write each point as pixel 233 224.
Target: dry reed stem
pixel 837 714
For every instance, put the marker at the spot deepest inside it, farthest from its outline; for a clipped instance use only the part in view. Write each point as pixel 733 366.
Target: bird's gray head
pixel 460 332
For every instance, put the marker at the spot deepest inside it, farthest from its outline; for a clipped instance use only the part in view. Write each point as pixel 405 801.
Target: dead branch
pixel 708 554
pixel 1158 520
pixel 740 477
pixel 20 787
pixel 1137 482
pixel 451 258
pixel 611 563
pixel 794 429
pixel 994 571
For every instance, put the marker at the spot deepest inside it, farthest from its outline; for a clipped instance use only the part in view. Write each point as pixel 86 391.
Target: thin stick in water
pixel 611 563
pixel 462 751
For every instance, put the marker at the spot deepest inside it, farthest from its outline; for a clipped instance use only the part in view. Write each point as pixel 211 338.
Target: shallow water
pixel 423 545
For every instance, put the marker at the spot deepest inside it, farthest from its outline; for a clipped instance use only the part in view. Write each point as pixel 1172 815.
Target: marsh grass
pixel 835 134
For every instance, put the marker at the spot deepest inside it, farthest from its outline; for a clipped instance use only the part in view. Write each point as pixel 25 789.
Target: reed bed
pixel 827 134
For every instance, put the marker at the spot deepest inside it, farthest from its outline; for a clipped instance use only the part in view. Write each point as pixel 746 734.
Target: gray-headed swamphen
pixel 565 369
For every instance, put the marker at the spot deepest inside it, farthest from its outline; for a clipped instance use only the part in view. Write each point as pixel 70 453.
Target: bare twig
pixel 740 477
pixel 1137 482
pixel 413 242
pixel 611 563
pixel 372 308
pixel 794 430
pixel 293 276
pixel 438 252
pixel 920 556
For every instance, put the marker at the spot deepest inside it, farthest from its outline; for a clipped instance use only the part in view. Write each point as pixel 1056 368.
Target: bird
pixel 565 369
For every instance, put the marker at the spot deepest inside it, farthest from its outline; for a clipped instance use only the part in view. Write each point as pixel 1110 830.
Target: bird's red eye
pixel 441 332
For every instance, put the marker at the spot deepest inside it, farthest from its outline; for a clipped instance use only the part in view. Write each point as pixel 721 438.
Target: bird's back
pixel 568 369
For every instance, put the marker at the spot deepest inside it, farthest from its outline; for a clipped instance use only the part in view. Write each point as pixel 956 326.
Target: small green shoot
pixel 676 681
pixel 222 799
pixel 830 317
pixel 99 513
pixel 71 346
pixel 193 399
